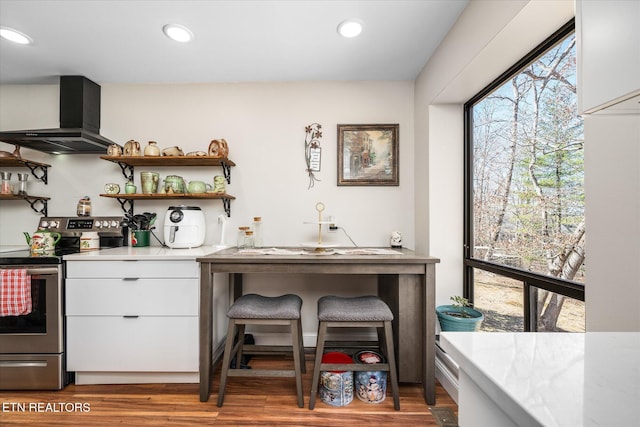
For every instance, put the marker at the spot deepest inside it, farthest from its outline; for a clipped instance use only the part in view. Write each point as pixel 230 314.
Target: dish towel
pixel 15 292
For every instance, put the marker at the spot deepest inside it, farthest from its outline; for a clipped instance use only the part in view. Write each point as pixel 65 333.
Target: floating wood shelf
pixel 127 199
pixel 37 203
pixel 38 170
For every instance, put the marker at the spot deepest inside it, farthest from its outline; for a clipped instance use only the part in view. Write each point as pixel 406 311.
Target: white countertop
pixel 554 379
pixel 155 253
pixel 14 248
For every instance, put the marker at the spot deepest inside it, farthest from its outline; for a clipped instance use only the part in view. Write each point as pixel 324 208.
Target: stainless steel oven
pixel 32 346
pixel 32 355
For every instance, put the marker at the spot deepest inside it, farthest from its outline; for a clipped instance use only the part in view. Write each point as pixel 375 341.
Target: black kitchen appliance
pixel 79 131
pixel 32 346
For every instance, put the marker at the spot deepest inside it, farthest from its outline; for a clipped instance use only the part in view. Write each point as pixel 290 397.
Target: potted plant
pixel 459 316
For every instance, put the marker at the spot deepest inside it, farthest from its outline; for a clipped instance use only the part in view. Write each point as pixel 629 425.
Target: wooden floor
pixel 248 401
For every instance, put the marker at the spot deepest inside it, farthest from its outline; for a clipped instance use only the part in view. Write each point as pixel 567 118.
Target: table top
pixel 332 256
pixel 554 379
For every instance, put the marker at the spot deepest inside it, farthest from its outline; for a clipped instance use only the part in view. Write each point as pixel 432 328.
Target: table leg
pixel 206 334
pixel 429 345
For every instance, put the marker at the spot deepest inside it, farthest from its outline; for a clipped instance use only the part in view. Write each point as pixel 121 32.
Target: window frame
pixel 531 281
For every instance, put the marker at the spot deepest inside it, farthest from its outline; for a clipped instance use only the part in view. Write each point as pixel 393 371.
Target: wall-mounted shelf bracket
pixel 127 170
pixel 226 203
pixel 124 203
pixel 38 205
pixel 226 169
pixel 38 170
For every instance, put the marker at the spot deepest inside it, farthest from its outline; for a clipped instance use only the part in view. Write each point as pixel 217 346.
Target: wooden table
pixel 406 282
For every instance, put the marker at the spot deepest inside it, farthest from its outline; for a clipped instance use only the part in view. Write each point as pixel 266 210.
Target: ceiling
pixel 121 41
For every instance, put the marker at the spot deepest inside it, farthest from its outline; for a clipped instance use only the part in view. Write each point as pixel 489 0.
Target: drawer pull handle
pixel 130 316
pixel 130 279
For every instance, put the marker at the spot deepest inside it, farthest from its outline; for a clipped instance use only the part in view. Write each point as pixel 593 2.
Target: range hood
pixel 79 131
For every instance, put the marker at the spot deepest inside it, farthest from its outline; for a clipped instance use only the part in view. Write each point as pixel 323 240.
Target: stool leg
pixel 391 358
pixel 240 344
pixel 295 341
pixel 301 341
pixel 322 330
pixel 226 361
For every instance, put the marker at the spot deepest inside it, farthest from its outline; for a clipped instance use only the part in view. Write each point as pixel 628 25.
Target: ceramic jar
pixel 174 184
pixel 130 188
pixel 89 241
pixel 152 149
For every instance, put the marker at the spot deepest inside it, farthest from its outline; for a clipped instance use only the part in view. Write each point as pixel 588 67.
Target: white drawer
pixel 142 297
pixel 158 344
pixel 133 269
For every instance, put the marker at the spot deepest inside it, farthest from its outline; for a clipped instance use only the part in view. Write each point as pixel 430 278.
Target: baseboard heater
pixel 447 372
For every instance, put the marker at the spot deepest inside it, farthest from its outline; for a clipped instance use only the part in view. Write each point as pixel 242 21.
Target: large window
pixel 524 194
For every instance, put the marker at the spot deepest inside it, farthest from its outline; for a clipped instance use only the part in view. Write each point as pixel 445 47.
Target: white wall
pixel 612 177
pixel 489 37
pixel 264 125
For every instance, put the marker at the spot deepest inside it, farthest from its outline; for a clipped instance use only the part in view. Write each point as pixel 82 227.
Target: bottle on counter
pixel 242 232
pixel 248 240
pixel 84 206
pixel 256 227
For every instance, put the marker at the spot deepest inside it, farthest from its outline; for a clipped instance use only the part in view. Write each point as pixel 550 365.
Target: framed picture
pixel 368 154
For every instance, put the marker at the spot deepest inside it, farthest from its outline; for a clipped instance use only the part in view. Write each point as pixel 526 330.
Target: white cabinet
pixel 609 56
pixel 132 321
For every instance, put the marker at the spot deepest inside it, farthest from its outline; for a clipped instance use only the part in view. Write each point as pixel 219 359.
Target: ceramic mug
pixel 114 150
pixel 149 181
pixel 198 187
pixel 219 185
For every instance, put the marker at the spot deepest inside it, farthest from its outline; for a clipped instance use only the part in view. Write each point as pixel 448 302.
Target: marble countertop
pixel 554 379
pixel 151 253
pixel 13 248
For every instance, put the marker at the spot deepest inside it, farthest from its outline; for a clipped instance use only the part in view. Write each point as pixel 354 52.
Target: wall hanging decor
pixel 312 151
pixel 368 154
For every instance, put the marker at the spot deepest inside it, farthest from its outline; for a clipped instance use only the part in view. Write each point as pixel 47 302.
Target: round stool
pixel 253 309
pixel 355 312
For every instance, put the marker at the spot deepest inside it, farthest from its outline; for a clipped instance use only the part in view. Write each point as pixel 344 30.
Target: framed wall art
pixel 368 154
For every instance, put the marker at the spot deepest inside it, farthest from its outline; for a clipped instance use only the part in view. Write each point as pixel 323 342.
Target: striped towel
pixel 15 292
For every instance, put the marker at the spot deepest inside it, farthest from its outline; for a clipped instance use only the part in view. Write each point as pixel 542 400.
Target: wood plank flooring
pixel 248 401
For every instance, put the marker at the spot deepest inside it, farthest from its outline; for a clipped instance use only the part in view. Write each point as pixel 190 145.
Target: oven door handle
pixel 23 363
pixel 42 271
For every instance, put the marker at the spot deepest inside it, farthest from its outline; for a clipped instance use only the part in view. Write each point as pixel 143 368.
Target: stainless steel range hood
pixel 79 131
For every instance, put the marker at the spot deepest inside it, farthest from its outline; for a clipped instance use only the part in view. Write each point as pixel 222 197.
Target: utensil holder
pixel 140 238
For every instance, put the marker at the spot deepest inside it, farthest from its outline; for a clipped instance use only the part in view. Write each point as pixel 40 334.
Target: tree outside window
pixel 527 178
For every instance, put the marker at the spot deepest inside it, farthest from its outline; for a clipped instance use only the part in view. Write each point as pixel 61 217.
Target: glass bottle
pixel 6 183
pixel 248 240
pixel 22 183
pixel 257 231
pixel 242 232
pixel 84 206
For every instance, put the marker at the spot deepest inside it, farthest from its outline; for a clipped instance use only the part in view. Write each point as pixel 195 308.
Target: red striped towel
pixel 15 292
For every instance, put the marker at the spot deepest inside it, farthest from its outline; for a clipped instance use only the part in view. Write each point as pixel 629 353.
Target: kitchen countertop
pixel 154 253
pixel 554 379
pixel 14 248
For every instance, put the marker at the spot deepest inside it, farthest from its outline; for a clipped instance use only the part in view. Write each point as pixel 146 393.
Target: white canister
pixel 89 241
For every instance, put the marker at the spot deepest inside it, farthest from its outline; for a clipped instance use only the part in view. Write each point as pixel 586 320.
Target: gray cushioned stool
pixel 253 309
pixel 355 312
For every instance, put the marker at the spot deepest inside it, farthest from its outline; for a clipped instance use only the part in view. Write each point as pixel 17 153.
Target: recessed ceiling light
pixel 15 36
pixel 350 28
pixel 178 33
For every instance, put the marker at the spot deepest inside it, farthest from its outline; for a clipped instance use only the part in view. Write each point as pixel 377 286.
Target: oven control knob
pixel 44 224
pixel 99 224
pixel 114 223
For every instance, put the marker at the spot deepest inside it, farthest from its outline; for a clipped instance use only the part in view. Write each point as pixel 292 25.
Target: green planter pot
pixel 452 323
